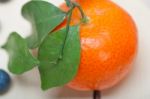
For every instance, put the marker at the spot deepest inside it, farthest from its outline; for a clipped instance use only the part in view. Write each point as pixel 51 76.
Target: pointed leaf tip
pixel 53 70
pixel 20 59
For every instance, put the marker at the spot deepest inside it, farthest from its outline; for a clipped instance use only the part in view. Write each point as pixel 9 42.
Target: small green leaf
pixel 54 69
pixel 44 17
pixel 20 59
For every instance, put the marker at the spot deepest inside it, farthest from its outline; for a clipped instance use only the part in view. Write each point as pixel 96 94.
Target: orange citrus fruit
pixel 108 44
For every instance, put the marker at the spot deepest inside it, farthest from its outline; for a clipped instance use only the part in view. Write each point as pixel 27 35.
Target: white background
pixel 27 86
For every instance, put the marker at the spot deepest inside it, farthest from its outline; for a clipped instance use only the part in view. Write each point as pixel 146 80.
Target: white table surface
pixel 27 86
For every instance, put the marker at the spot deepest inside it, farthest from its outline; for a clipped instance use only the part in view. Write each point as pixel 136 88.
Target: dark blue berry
pixel 4 81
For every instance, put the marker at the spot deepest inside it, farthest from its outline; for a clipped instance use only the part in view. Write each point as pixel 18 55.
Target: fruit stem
pixel 84 17
pixel 96 94
pixel 68 2
pixel 80 9
pixel 75 4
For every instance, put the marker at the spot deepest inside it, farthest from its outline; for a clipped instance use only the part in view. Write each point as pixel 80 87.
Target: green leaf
pixel 44 17
pixel 57 70
pixel 20 59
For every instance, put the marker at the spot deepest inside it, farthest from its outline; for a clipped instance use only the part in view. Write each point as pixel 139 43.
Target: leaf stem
pixel 80 9
pixel 68 2
pixel 84 19
pixel 69 15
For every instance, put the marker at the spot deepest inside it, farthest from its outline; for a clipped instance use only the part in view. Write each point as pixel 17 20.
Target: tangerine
pixel 108 44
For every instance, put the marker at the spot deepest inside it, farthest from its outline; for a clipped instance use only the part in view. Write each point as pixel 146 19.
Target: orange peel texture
pixel 108 44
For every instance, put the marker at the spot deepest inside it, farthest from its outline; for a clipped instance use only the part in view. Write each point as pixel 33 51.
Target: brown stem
pixel 96 94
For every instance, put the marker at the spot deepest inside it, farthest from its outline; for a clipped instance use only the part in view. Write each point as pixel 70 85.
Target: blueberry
pixel 4 81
